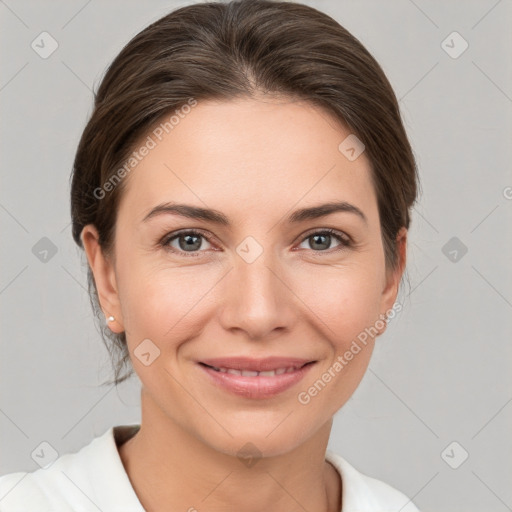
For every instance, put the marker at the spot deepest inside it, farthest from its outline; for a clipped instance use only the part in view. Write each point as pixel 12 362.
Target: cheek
pixel 343 300
pixel 172 303
pixel 160 303
pixel 343 304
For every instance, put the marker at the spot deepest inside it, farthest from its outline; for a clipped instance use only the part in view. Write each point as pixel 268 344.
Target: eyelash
pixel 345 241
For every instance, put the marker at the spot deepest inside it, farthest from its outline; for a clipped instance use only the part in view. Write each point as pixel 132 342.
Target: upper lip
pixel 256 365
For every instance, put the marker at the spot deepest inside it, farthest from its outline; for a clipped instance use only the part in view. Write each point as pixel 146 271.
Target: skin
pixel 255 160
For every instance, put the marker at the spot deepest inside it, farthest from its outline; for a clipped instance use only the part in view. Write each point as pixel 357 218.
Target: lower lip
pixel 257 387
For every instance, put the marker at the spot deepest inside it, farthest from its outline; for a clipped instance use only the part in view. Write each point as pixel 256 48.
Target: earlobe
pixel 104 278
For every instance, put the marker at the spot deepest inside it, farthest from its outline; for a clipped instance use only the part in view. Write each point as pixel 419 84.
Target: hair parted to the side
pixel 227 50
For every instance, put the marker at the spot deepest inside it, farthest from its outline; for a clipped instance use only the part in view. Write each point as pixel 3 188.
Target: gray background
pixel 441 373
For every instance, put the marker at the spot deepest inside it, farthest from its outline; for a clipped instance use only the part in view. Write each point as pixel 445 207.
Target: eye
pixel 190 242
pixel 187 242
pixel 321 240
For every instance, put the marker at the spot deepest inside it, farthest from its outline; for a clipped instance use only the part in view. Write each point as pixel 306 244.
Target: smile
pixel 255 384
pixel 249 373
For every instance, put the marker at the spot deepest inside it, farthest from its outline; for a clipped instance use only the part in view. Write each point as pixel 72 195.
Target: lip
pixel 259 387
pixel 255 365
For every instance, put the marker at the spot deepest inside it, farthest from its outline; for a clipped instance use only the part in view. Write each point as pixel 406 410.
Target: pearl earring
pixel 110 319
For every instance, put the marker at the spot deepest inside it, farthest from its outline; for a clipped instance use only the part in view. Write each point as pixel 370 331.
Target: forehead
pixel 245 154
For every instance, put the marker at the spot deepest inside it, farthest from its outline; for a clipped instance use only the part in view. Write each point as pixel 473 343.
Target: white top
pixel 94 479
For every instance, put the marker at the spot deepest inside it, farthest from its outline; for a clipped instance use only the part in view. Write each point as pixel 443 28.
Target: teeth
pixel 271 373
pixel 248 373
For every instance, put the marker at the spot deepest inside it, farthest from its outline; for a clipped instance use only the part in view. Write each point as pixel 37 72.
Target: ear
pixel 393 276
pixel 104 277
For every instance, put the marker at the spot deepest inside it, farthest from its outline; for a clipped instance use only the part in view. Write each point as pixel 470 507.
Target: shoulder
pixel 362 492
pixel 90 478
pixel 19 490
pixel 57 485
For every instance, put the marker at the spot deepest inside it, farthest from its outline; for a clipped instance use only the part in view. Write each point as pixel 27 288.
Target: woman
pixel 242 194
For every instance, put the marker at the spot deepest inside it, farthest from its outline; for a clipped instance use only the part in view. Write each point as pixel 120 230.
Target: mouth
pixel 255 379
pixel 254 373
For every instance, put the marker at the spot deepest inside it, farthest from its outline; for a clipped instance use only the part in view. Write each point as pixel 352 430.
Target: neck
pixel 169 468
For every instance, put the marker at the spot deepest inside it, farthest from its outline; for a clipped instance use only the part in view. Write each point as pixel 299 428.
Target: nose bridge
pixel 255 272
pixel 257 279
pixel 257 300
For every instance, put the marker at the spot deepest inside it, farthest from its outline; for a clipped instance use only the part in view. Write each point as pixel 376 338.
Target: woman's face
pixel 265 282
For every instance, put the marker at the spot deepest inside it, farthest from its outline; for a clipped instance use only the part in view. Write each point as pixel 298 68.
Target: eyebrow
pixel 217 217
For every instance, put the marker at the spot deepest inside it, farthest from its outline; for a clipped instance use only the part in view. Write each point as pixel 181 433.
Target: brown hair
pixel 223 51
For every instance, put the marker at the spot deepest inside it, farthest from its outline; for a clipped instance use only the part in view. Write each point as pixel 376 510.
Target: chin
pixel 259 441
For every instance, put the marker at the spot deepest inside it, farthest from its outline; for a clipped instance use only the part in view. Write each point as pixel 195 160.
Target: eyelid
pixel 344 239
pixel 164 241
pixel 331 231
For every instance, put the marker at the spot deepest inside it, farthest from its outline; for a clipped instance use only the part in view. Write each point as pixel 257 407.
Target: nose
pixel 257 299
